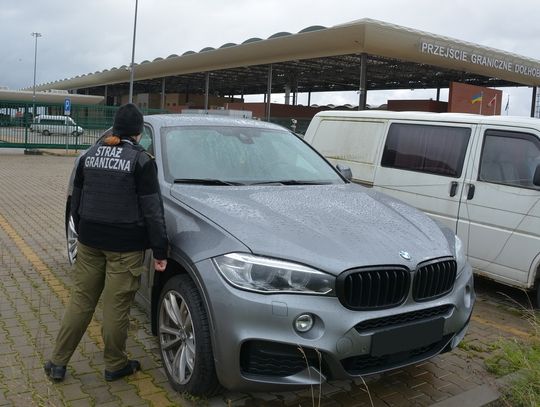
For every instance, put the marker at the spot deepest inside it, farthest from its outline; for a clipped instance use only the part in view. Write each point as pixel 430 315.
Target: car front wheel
pixel 184 338
pixel 72 240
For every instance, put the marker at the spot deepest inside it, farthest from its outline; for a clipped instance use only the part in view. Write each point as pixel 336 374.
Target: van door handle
pixel 453 188
pixel 470 192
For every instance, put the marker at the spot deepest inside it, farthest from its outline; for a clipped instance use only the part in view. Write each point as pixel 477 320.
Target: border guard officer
pixel 118 213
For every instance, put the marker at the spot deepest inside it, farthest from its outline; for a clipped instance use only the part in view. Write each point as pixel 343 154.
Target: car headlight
pixel 461 259
pixel 265 275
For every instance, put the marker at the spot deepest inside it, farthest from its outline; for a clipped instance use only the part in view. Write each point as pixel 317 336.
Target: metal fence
pixel 44 125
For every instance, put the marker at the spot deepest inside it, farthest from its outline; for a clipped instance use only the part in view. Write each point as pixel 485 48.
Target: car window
pixel 432 149
pixel 146 140
pixel 245 155
pixel 509 158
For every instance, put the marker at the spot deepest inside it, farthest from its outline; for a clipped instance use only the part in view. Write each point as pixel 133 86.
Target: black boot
pixel 55 372
pixel 131 367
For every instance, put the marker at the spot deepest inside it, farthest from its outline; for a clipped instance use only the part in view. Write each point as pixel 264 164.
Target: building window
pixel 424 148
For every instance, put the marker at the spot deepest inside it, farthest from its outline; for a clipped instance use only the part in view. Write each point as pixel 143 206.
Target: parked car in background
pixel 479 175
pixel 281 272
pixel 47 125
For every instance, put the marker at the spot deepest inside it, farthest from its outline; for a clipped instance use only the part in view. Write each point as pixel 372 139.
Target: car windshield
pixel 241 156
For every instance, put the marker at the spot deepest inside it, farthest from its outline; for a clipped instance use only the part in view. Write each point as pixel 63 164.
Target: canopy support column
pixel 533 102
pixel 206 90
pixel 362 91
pixel 269 93
pixel 287 94
pixel 163 94
pixel 295 91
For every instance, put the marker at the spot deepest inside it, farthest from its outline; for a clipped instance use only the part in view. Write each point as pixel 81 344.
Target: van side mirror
pixel 536 178
pixel 345 170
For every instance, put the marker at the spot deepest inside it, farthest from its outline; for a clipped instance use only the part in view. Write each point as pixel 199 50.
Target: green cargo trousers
pixel 118 276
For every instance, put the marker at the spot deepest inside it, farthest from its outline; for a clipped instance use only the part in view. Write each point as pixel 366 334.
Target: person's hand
pixel 160 265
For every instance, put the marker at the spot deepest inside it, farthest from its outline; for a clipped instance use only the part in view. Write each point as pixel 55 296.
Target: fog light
pixel 467 296
pixel 303 323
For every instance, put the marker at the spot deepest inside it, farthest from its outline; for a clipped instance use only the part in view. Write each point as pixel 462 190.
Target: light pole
pixel 132 71
pixel 36 35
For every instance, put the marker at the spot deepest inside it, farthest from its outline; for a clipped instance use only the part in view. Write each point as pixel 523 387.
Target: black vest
pixel 109 193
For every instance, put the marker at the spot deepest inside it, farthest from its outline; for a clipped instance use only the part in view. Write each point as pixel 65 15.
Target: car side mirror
pixel 345 170
pixel 536 178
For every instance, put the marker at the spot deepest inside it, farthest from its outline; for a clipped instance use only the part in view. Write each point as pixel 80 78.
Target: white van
pixel 479 175
pixel 47 125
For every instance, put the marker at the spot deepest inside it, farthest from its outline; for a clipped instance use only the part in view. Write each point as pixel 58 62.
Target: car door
pixel 147 142
pixel 423 165
pixel 500 212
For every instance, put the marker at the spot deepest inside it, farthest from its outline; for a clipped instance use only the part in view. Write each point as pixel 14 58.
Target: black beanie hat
pixel 128 121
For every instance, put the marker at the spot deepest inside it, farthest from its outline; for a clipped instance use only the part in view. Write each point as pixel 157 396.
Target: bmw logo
pixel 405 255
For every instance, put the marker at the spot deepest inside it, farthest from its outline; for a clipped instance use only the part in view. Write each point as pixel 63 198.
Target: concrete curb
pixel 479 396
pixel 57 153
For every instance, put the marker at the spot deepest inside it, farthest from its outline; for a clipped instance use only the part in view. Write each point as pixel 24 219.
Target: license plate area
pixel 407 337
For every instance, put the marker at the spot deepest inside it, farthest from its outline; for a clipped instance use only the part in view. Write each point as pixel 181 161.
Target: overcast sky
pixel 86 36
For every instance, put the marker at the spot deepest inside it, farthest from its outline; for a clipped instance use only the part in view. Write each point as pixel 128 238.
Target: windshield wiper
pixel 205 181
pixel 291 182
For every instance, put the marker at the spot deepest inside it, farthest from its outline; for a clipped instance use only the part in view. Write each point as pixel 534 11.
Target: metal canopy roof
pixel 321 59
pixel 49 97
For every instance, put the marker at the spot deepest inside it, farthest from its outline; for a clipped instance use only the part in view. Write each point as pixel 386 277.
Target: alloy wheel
pixel 72 241
pixel 177 337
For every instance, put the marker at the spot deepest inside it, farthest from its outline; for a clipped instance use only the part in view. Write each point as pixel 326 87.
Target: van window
pixel 53 121
pixel 355 141
pixel 509 158
pixel 433 149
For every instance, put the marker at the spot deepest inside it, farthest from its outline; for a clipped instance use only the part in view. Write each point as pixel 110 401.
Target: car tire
pixel 184 338
pixel 538 294
pixel 75 133
pixel 46 133
pixel 71 240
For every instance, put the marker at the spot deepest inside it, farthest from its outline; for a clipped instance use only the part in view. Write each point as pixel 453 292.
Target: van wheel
pixel 46 133
pixel 74 133
pixel 538 294
pixel 184 338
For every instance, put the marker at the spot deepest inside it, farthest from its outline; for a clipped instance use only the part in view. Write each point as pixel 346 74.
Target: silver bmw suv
pixel 282 273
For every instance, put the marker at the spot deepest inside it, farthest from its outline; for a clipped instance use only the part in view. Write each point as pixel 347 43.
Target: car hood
pixel 330 227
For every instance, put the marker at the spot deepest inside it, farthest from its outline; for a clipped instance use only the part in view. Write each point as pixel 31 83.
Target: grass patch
pixel 513 355
pixel 469 346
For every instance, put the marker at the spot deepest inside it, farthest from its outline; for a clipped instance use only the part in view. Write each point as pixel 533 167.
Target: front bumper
pixel 256 346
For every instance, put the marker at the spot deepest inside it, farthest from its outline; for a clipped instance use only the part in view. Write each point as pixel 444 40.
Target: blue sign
pixel 67 106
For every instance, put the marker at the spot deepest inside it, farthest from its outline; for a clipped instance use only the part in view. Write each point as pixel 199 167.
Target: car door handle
pixel 470 192
pixel 453 188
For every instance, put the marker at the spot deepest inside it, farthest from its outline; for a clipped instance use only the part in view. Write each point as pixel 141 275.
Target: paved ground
pixel 34 286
